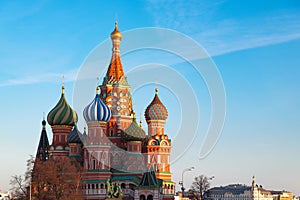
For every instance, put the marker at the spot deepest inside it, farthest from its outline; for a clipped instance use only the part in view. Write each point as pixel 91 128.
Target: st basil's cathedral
pixel 114 147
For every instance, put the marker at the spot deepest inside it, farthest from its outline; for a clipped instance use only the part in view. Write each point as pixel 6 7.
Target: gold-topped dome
pixel 116 34
pixel 62 113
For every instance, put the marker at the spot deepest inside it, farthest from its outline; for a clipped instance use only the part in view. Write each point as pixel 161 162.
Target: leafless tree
pixel 20 183
pixel 200 185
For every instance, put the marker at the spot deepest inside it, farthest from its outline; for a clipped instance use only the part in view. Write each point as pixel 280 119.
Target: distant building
pixel 282 195
pixel 244 192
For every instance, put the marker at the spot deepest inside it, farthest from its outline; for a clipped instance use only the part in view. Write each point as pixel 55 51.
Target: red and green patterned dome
pixel 156 109
pixel 62 113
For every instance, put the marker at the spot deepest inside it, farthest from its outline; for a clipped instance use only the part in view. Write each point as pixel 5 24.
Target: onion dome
pixel 97 110
pixel 74 136
pixel 116 34
pixel 134 132
pixel 156 110
pixel 62 113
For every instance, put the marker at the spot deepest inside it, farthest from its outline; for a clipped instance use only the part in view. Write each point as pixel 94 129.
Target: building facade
pixel 114 149
pixel 244 192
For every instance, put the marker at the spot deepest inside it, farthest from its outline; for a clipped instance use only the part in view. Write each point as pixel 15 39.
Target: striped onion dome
pixel 97 110
pixel 156 110
pixel 134 132
pixel 62 113
pixel 74 136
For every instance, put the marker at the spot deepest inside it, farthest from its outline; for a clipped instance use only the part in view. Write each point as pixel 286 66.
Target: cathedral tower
pixel 97 146
pixel 62 118
pixel 158 145
pixel 115 92
pixel 43 148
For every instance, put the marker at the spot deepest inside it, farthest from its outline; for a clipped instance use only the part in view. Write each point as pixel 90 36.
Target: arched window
pixel 123 185
pixel 149 197
pixel 94 164
pixel 142 197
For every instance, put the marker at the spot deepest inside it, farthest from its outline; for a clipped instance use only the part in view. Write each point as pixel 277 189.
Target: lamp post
pixel 30 184
pixel 181 182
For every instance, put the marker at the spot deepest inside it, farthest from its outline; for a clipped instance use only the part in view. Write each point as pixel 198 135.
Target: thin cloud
pixel 20 11
pixel 40 78
pixel 223 35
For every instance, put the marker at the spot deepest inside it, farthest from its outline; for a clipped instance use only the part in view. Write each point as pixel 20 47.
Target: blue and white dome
pixel 97 110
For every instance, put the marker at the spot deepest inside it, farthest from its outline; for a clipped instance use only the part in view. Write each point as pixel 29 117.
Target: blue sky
pixel 254 45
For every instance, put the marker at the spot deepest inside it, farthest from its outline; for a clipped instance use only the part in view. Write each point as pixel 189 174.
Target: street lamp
pixel 181 182
pixel 30 184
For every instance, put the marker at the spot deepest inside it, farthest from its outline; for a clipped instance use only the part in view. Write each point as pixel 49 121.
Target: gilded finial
pixel 97 87
pixel 156 86
pixel 63 85
pixel 116 22
pixel 141 120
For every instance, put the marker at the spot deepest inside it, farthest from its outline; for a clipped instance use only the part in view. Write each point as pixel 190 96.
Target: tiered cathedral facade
pixel 114 147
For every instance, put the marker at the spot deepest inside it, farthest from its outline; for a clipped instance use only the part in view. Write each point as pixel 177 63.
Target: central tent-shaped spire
pixel 115 72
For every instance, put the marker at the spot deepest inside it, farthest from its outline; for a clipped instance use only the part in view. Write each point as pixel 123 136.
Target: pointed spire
pixel 115 70
pixel 43 147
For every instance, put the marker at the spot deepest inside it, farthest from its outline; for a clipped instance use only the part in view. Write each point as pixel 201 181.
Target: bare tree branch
pixel 200 185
